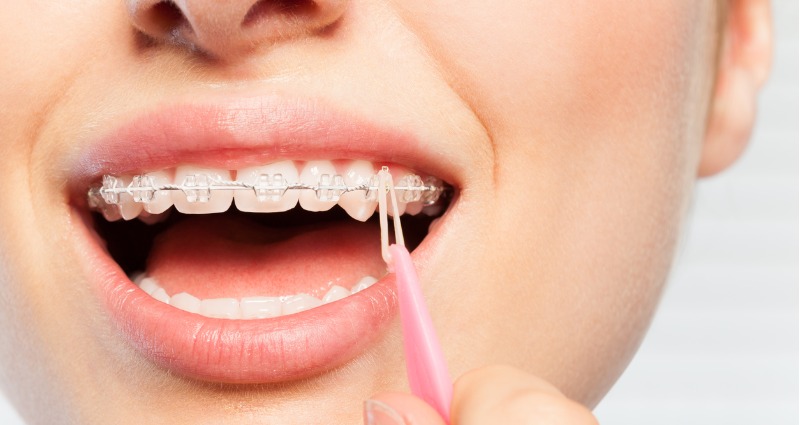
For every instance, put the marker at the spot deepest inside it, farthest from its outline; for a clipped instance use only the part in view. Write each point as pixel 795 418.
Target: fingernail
pixel 380 413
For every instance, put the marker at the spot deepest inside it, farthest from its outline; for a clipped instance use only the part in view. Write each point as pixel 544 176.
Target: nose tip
pixel 225 29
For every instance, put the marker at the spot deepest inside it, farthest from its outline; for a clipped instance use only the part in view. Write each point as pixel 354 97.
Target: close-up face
pixel 557 145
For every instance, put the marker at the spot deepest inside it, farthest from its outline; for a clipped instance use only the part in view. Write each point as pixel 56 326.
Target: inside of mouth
pixel 299 257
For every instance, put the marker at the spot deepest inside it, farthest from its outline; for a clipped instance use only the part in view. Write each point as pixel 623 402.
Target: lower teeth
pixel 247 307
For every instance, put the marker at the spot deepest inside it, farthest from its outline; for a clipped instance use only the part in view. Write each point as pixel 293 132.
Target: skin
pixel 585 125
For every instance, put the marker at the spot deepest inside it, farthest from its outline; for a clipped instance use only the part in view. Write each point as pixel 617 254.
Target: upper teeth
pixel 318 186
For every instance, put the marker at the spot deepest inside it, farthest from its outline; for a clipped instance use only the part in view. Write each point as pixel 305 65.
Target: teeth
pixel 412 198
pixel 298 303
pixel 147 218
pixel 186 302
pixel 110 212
pixel 398 179
pixel 276 187
pixel 314 173
pixel 359 204
pixel 161 295
pixel 111 182
pixel 106 203
pixel 221 308
pixel 432 210
pixel 129 208
pixel 410 180
pixel 261 307
pixel 363 284
pixel 336 293
pixel 269 197
pixel 149 285
pixel 248 307
pixel 196 197
pixel 160 200
pixel 414 208
pixel 137 277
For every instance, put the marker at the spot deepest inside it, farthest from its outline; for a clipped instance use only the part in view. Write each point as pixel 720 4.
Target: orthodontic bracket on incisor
pixel 200 188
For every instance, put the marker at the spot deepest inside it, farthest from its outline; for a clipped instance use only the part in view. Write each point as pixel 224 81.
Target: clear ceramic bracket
pixel 200 188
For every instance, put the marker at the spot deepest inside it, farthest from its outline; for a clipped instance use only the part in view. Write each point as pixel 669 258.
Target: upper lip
pixel 231 134
pixel 252 131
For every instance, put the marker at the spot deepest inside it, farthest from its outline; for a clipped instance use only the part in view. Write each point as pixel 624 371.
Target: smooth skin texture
pixel 584 123
pixel 496 394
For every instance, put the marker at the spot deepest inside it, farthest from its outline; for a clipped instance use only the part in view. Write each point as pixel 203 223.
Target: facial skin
pixel 583 126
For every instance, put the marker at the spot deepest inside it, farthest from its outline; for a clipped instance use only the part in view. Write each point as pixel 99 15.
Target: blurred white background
pixel 723 348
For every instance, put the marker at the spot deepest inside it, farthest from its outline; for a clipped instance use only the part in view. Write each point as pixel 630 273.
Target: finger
pixel 399 409
pixel 506 395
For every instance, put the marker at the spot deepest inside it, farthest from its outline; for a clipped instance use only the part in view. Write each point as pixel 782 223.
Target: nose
pixel 226 28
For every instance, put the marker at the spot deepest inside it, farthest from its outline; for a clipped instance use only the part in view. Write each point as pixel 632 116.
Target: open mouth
pixel 259 242
pixel 227 243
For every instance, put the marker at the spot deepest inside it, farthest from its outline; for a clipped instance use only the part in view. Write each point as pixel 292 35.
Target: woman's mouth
pixel 296 249
pixel 231 270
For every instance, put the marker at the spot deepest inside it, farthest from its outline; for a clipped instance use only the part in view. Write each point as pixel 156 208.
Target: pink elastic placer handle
pixel 427 370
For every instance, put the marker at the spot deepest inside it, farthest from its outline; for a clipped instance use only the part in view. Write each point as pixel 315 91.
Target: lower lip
pixel 238 351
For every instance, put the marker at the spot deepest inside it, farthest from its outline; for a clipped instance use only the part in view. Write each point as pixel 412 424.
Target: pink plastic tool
pixel 427 371
pixel 426 368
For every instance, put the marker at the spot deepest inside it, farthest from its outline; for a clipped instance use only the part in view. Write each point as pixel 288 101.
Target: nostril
pixel 165 17
pixel 266 8
pixel 229 29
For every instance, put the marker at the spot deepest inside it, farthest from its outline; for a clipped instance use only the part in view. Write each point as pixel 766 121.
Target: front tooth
pixel 336 293
pixel 312 173
pixel 186 302
pixel 196 197
pixel 161 200
pixel 298 303
pixel 128 207
pixel 363 284
pixel 359 204
pixel 261 307
pixel 266 199
pixel 221 308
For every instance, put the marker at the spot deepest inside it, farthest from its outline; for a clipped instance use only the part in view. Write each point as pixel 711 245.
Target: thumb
pixel 488 395
pixel 505 395
pixel 399 409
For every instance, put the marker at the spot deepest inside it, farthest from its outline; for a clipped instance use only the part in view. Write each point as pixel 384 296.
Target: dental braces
pixel 199 188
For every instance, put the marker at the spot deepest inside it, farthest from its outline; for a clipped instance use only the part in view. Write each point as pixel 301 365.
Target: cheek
pixel 601 97
pixel 532 68
pixel 44 47
pixel 594 109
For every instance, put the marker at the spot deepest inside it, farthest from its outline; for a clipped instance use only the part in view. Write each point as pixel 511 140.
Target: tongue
pixel 228 256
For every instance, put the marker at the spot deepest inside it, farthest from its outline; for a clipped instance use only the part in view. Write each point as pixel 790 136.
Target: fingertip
pixel 393 405
pixel 501 377
pixel 479 394
pixel 504 394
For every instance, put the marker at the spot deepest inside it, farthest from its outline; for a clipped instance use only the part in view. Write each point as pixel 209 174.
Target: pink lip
pixel 232 135
pixel 251 131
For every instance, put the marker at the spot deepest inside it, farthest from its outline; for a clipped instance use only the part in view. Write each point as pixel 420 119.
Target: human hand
pixel 485 396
